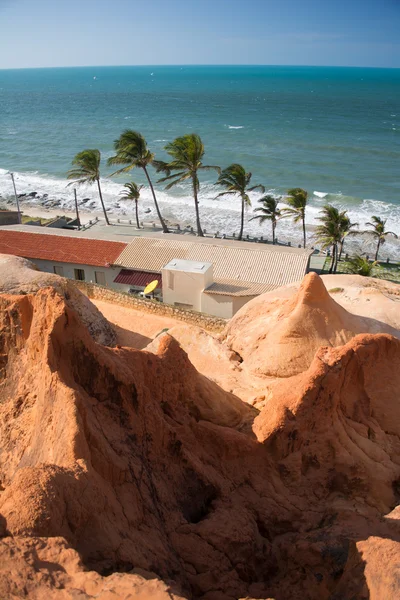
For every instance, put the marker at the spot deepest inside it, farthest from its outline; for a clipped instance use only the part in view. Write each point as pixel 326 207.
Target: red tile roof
pixel 138 278
pixel 82 251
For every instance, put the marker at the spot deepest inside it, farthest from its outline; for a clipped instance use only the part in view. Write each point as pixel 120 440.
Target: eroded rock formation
pixel 117 463
pixel 278 337
pixel 21 276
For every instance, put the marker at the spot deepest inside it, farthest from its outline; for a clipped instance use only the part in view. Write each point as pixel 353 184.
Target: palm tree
pixel 269 212
pixel 187 154
pixel 347 228
pixel 132 192
pixel 361 266
pixel 297 202
pixel 329 233
pixel 236 181
pixel 131 151
pixel 378 230
pixel 87 170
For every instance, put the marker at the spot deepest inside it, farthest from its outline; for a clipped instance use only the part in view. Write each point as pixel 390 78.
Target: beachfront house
pixel 76 258
pixel 210 275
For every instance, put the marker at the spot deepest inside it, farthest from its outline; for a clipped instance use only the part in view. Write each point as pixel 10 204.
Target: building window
pixel 170 280
pixel 100 277
pixel 59 271
pixel 79 274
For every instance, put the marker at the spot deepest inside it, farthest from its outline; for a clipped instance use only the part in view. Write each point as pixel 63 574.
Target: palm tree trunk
pixel 336 258
pixel 273 231
pixel 333 259
pixel 377 249
pixel 163 225
pixel 304 233
pixel 102 203
pixel 341 249
pixel 241 221
pixel 196 204
pixel 137 215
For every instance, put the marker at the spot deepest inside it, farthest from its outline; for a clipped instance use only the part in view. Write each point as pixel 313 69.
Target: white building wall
pixel 184 288
pixel 239 301
pixel 217 305
pixel 69 271
pixel 224 306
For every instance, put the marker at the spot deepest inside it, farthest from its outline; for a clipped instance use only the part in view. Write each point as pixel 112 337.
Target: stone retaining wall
pixel 97 292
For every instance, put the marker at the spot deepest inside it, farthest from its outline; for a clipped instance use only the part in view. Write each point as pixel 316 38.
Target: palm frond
pixel 291 212
pixel 210 168
pixel 257 187
pixel 131 149
pixel 187 150
pixel 123 170
pixel 86 166
pixel 131 191
pixel 183 177
pixel 261 218
pixel 161 167
pixel 236 180
pixel 227 193
pixel 173 176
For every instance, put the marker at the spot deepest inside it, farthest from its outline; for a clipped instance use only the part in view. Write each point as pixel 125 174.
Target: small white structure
pixel 190 284
pixel 184 282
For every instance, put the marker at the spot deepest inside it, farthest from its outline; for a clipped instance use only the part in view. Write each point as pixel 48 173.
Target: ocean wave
pixel 235 126
pixel 222 215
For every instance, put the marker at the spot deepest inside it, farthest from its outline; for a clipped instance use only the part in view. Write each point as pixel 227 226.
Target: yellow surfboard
pixel 150 287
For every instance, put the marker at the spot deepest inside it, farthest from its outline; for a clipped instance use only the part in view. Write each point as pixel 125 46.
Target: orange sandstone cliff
pixel 127 473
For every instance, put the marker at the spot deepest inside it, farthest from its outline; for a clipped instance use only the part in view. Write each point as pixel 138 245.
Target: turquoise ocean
pixel 333 131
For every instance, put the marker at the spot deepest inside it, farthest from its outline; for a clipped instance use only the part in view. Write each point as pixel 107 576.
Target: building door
pixel 100 277
pixel 79 274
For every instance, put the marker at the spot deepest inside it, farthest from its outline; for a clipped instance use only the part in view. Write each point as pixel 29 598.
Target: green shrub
pixel 358 265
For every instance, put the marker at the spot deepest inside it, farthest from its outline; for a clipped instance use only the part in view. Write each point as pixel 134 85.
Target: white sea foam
pixel 235 126
pixel 222 214
pixel 320 194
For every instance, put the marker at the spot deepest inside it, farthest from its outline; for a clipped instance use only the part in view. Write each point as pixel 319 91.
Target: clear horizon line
pixel 197 65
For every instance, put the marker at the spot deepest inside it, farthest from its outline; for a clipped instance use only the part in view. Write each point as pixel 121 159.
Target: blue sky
pixel 50 33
